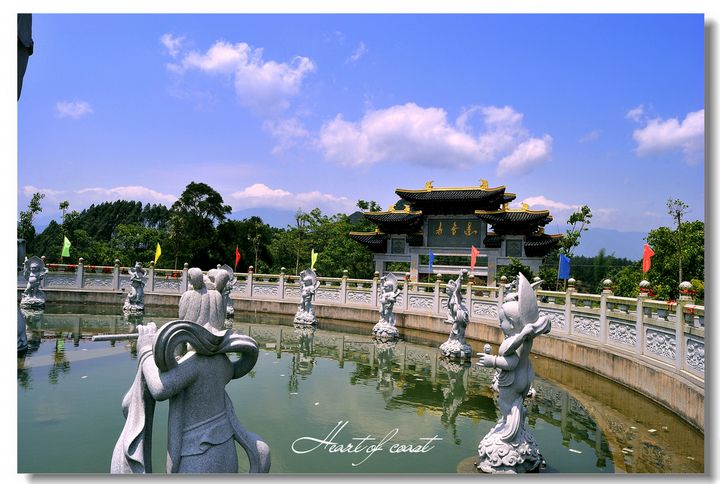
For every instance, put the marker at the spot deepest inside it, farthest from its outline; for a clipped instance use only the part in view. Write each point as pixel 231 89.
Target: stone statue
pixel 388 296
pixel 309 284
pixel 203 303
pixel 202 425
pixel 509 447
pixel 135 300
pixel 458 316
pixel 232 280
pixel 34 271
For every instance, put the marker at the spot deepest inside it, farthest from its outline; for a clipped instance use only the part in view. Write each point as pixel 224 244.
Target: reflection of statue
pixel 457 315
pixel 136 298
pixel 22 342
pixel 385 350
pixel 304 361
pixel 388 296
pixel 309 284
pixel 34 271
pixel 509 447
pixel 453 395
pixel 202 425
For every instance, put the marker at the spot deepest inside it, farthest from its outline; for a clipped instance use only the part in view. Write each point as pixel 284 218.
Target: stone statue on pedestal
pixel 309 284
pixel 202 425
pixel 34 271
pixel 458 316
pixel 136 298
pixel 509 447
pixel 388 296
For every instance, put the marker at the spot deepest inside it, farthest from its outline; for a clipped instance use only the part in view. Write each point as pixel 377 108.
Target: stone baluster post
pixel 406 288
pixel 642 312
pixel 469 293
pixel 374 293
pixel 249 286
pixel 43 281
pixel 116 276
pixel 184 281
pixel 607 291
pixel 281 284
pixel 151 278
pixel 569 305
pixel 344 287
pixel 80 273
pixel 684 300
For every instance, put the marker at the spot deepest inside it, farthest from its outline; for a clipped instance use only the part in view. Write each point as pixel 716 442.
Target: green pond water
pixel 334 382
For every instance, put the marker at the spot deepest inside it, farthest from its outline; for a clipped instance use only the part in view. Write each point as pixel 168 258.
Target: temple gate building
pixel 449 222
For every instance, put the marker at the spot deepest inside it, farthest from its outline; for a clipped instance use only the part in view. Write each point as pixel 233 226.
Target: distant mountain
pixel 627 245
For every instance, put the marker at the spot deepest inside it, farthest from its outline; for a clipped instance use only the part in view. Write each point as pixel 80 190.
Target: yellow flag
pixel 313 258
pixel 157 253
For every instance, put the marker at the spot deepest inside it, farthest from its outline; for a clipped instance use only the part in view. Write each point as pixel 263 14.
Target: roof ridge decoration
pixel 429 187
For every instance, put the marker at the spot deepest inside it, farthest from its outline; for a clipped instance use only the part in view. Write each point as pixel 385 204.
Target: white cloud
pixel 528 155
pixel 172 44
pixel 635 113
pixel 357 54
pixel 661 136
pixel 260 195
pixel 593 135
pixel 423 136
pixel 286 131
pixel 82 199
pixel 262 86
pixel 543 203
pixel 74 110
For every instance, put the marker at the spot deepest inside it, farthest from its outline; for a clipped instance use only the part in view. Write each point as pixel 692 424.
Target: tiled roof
pixel 372 240
pixel 540 245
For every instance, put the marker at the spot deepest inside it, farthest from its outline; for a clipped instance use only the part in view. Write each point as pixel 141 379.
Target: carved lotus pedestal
pixel 385 330
pixel 28 302
pixel 133 307
pixel 521 455
pixel 304 317
pixel 455 349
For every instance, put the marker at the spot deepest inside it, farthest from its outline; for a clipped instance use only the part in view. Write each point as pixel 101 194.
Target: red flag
pixel 473 258
pixel 647 253
pixel 237 256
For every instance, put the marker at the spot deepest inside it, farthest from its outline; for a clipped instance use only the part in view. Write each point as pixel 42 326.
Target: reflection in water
pixel 412 378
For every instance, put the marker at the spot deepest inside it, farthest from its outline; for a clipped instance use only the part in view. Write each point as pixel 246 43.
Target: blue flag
pixel 564 270
pixel 432 258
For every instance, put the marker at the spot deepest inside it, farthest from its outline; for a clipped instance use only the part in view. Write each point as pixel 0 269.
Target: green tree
pixel 676 209
pixel 662 274
pixel 578 221
pixel 512 270
pixel 192 223
pixel 26 229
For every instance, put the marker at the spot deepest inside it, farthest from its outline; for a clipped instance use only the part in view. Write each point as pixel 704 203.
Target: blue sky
pixel 286 111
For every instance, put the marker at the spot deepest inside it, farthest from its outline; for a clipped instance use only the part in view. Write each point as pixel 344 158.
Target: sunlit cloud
pixel 74 109
pixel 662 136
pixel 260 195
pixel 635 113
pixel 172 44
pixel 286 131
pixel 541 202
pixel 593 135
pixel 423 136
pixel 263 86
pixel 357 54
